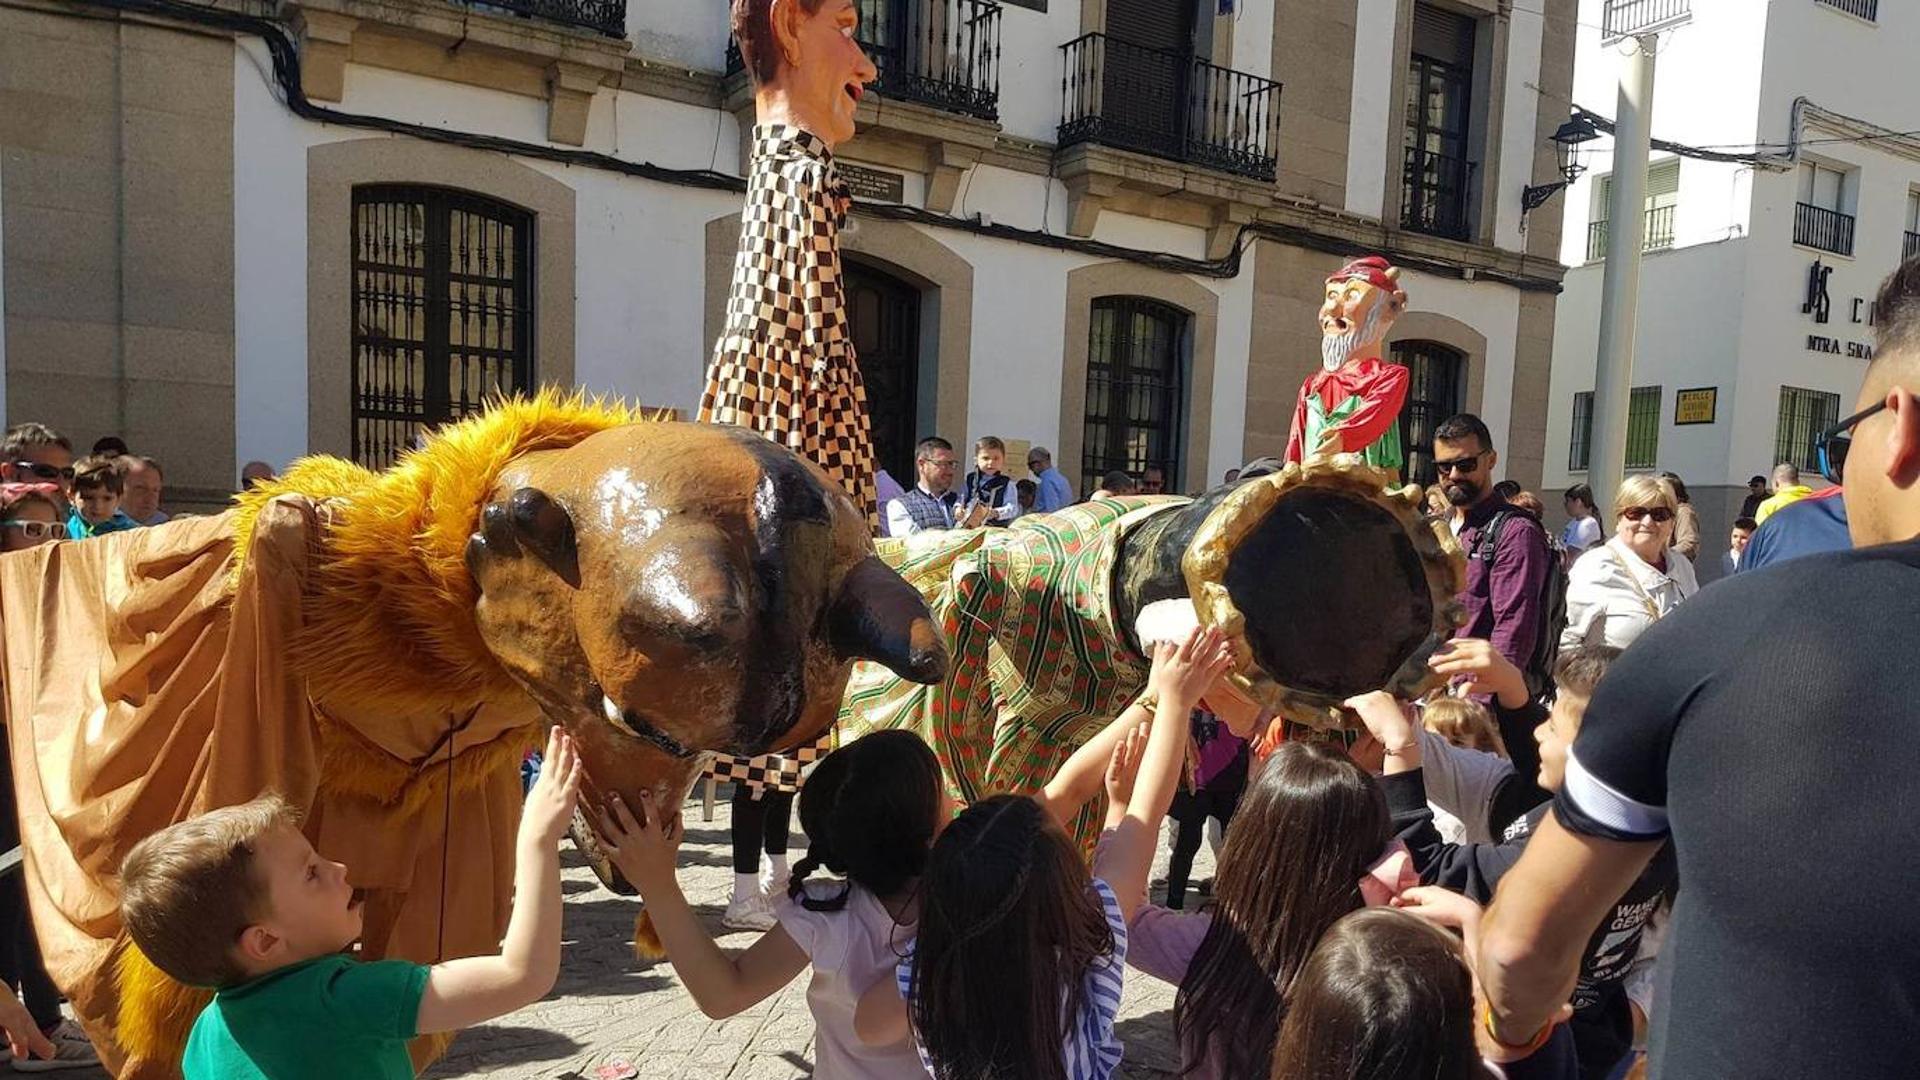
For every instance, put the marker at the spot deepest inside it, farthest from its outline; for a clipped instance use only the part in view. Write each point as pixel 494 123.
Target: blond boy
pixel 239 901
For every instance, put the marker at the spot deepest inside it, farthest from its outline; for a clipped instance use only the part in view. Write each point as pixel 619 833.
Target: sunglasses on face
pixel 1457 465
pixel 37 530
pixel 1832 444
pixel 44 472
pixel 1660 514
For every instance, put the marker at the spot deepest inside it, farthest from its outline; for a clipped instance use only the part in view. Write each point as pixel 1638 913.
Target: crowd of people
pixel 1634 827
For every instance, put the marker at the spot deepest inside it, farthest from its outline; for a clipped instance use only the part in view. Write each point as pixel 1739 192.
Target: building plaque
pixel 878 185
pixel 1695 406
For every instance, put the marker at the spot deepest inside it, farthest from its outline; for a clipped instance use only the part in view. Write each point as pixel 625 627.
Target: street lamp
pixel 1566 143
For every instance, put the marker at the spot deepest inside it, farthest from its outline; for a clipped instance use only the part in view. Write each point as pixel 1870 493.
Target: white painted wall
pixel 1526 30
pixel 688 32
pixel 269 264
pixel 1373 67
pixel 1252 36
pixel 1233 353
pixel 1494 311
pixel 1031 68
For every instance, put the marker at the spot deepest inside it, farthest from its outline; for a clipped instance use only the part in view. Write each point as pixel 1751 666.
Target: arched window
pixel 1436 389
pixel 1135 381
pixel 442 311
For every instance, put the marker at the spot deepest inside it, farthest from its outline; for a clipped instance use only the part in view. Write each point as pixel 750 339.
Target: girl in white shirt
pixel 1625 585
pixel 1583 527
pixel 871 810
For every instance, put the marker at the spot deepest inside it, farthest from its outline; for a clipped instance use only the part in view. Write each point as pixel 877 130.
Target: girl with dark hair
pixel 1310 843
pixel 871 810
pixel 1017 968
pixel 1388 996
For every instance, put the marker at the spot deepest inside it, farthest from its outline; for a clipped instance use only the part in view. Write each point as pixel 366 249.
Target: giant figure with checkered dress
pixel 784 365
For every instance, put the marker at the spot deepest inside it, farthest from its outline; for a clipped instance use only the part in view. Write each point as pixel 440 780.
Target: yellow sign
pixel 1695 406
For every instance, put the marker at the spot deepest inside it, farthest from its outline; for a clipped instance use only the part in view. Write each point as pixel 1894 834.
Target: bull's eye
pixel 632 724
pixel 617 716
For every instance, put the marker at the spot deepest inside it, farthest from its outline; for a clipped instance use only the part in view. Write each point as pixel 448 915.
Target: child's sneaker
pixel 71 1050
pixel 752 911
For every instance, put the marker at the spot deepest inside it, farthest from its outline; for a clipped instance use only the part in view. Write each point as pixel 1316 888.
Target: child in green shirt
pixel 238 900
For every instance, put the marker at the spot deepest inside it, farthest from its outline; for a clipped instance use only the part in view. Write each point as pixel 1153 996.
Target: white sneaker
pixel 751 912
pixel 772 885
pixel 71 1050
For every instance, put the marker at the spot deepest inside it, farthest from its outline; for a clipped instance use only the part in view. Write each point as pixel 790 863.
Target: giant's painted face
pixel 668 589
pixel 1354 319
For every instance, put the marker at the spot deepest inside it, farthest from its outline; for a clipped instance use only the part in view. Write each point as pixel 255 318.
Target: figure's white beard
pixel 1337 349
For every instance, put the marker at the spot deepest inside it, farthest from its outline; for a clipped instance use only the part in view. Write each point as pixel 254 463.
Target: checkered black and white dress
pixel 784 365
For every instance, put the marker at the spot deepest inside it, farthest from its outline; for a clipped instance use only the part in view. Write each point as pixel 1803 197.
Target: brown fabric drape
pixel 144 686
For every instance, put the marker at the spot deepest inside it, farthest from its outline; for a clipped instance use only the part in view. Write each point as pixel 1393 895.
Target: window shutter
pixel 1443 35
pixel 1155 24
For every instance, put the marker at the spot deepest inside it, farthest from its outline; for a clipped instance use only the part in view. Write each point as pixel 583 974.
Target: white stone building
pixel 1759 274
pixel 254 230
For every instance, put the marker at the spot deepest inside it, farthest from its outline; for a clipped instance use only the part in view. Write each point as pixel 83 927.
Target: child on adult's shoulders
pixel 238 900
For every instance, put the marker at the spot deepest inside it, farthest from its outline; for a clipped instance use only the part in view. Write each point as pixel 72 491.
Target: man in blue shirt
pixel 1055 493
pixel 1814 524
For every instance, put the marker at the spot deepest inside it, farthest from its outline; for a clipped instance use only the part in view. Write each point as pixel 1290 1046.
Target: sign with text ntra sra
pixel 1819 304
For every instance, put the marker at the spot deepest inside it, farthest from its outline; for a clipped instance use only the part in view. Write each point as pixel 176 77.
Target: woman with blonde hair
pixel 1621 587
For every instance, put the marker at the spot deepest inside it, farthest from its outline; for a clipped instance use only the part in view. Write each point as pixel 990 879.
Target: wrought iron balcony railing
pixel 943 53
pixel 607 17
pixel 1626 18
pixel 1910 246
pixel 1168 104
pixel 1434 193
pixel 1863 9
pixel 1819 227
pixel 1658 236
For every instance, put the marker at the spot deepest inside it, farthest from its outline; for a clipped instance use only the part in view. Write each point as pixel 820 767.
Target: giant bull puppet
pixel 381 648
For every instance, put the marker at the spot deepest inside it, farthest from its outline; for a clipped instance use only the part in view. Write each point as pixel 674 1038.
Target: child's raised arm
pixel 465 992
pixel 1079 779
pixel 721 984
pixel 1181 675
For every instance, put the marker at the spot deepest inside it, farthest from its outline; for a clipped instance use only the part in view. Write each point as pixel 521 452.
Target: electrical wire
pixel 286 78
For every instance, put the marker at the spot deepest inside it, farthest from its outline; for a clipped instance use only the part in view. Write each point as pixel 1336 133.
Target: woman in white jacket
pixel 1621 587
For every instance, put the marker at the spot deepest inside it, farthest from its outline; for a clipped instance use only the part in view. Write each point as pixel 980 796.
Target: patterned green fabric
pixel 1037 661
pixel 1383 453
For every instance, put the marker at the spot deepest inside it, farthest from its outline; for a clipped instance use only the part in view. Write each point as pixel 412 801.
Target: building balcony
pixel 942 53
pixel 1628 18
pixel 1859 9
pixel 1910 246
pixel 1658 235
pixel 1435 194
pixel 1168 105
pixel 1819 227
pixel 607 17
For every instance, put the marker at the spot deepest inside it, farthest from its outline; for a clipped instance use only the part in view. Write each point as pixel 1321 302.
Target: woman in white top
pixel 1623 586
pixel 1583 526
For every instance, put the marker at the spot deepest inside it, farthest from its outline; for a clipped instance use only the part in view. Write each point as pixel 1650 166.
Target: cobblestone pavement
pixel 609 1006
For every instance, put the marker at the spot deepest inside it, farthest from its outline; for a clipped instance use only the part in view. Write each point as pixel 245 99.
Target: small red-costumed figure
pixel 1352 405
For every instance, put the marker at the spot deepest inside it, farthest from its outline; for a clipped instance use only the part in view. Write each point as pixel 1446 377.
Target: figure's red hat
pixel 1371 269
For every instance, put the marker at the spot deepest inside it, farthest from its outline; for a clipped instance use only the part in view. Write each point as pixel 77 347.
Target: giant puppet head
pixel 669 589
pixel 1363 298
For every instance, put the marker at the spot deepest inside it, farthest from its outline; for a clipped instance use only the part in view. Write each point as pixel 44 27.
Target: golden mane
pixel 389 620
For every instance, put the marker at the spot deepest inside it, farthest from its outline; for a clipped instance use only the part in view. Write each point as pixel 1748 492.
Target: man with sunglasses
pixel 1766 730
pixel 33 453
pixel 1508 557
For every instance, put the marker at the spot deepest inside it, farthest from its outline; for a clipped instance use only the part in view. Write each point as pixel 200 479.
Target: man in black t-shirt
pixel 1768 728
